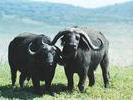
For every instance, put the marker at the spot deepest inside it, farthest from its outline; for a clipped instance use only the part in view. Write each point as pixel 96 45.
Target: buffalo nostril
pixel 50 63
pixel 74 46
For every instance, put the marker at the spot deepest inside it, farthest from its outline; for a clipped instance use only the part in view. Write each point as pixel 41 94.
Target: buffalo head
pixel 46 54
pixel 71 39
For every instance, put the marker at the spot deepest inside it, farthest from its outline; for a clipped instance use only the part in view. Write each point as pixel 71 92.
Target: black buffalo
pixel 34 57
pixel 83 50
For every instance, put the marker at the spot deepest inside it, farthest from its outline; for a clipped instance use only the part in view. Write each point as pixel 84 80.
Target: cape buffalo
pixel 34 57
pixel 83 50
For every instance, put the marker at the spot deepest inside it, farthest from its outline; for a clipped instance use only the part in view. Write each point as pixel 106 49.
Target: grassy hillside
pixel 120 89
pixel 62 14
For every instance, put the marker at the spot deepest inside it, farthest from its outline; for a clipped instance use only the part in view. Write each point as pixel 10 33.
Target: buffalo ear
pixel 83 43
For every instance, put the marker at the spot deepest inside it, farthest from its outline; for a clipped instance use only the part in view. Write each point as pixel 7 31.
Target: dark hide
pixel 40 66
pixel 80 58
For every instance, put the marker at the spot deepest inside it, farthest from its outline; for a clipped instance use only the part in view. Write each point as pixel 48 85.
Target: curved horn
pixel 89 40
pixel 61 33
pixel 43 43
pixel 59 53
pixel 29 50
pixel 57 49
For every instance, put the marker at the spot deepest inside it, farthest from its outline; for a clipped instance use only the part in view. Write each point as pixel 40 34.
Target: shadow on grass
pixel 26 93
pixel 58 88
pixel 18 93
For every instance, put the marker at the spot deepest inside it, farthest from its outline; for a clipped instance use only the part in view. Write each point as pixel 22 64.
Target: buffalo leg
pixel 36 86
pixel 22 79
pixel 69 76
pixel 82 79
pixel 91 77
pixel 48 88
pixel 48 83
pixel 105 72
pixel 13 76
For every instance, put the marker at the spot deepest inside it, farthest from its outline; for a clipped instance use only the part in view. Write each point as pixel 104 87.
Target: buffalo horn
pixel 61 33
pixel 30 51
pixel 89 40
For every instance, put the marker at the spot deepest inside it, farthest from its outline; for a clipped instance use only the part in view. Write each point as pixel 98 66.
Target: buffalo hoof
pixel 69 88
pixel 53 94
pixel 91 84
pixel 106 85
pixel 81 88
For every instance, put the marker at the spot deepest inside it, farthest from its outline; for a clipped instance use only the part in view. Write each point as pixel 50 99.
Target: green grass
pixel 121 86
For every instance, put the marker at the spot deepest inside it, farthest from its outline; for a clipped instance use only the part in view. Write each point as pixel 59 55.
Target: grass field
pixel 121 86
